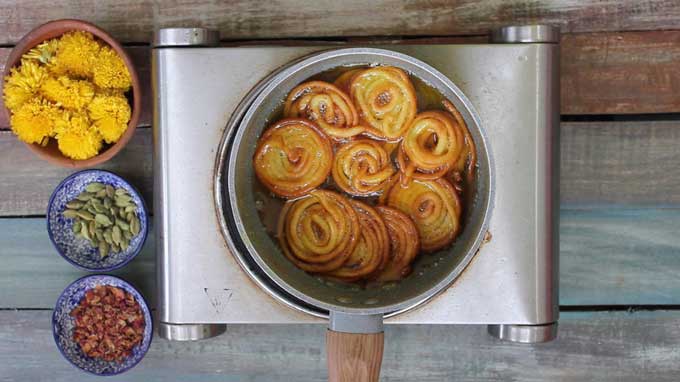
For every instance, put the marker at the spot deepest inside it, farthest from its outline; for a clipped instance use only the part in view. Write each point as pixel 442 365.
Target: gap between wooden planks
pixel 134 21
pixel 601 73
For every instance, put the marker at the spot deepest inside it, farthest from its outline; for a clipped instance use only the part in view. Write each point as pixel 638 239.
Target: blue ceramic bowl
pixel 79 251
pixel 63 325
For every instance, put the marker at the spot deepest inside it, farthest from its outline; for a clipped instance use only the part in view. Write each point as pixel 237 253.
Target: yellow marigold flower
pixel 44 52
pixel 76 138
pixel 76 54
pixel 72 94
pixel 109 70
pixel 23 83
pixel 110 114
pixel 34 121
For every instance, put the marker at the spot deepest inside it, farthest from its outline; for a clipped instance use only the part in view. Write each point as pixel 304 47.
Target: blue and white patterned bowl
pixel 63 325
pixel 79 251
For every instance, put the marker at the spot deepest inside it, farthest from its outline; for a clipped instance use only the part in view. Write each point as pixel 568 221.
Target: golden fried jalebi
pixel 372 250
pixel 434 207
pixel 385 99
pixel 345 79
pixel 432 145
pixel 293 157
pixel 327 106
pixel 404 244
pixel 362 167
pixel 319 232
pixel 469 153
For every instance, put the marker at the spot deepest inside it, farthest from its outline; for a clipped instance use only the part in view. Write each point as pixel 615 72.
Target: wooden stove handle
pixel 354 357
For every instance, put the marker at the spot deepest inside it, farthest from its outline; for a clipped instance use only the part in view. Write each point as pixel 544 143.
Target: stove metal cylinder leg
pixel 526 334
pixel 189 332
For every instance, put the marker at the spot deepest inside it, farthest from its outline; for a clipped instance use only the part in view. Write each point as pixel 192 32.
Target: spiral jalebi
pixel 362 167
pixel 327 106
pixel 293 157
pixel 434 207
pixel 385 99
pixel 404 244
pixel 319 232
pixel 431 146
pixel 372 251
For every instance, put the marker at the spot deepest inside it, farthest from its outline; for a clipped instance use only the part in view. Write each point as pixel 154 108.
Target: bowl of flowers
pixel 71 93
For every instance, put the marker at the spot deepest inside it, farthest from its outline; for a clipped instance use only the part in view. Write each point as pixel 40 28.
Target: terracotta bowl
pixel 54 29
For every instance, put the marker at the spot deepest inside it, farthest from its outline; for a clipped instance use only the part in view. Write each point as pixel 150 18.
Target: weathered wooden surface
pixel 621 73
pixel 135 21
pixel 620 162
pixel 596 346
pixel 28 181
pixel 607 257
pixel 602 163
pixel 602 73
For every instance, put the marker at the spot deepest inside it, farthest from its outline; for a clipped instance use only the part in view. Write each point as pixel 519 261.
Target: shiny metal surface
pixel 173 37
pixel 526 34
pixel 513 88
pixel 355 323
pixel 526 334
pixel 189 332
pixel 265 251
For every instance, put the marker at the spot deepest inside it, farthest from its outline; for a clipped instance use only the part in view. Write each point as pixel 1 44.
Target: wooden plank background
pixel 134 21
pixel 620 194
pixel 618 346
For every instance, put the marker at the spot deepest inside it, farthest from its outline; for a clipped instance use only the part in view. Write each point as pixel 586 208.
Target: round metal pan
pixel 351 309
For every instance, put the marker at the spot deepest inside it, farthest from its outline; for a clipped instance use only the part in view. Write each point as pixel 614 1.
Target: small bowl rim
pixel 143 304
pixel 23 46
pixel 82 267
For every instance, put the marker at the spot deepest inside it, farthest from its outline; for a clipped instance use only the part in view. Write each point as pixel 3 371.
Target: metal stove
pixel 511 285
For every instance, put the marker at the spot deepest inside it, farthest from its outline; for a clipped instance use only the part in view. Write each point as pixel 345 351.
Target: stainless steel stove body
pixel 511 284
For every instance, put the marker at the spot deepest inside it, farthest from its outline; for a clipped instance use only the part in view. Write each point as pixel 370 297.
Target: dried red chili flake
pixel 109 323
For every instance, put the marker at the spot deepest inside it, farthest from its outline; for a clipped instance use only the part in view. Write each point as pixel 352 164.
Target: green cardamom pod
pixel 120 191
pixel 107 202
pixel 91 227
pixel 76 227
pixel 103 220
pixel 85 215
pixel 70 214
pixel 101 193
pixel 135 226
pixel 110 191
pixel 107 236
pixel 128 235
pixel 94 187
pixel 84 231
pixel 116 234
pixel 115 248
pixel 74 204
pixel 124 245
pixel 84 197
pixel 122 224
pixel 103 249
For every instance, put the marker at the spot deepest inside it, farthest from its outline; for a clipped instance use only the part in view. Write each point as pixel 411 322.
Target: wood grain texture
pixel 28 181
pixel 37 273
pixel 141 57
pixel 243 19
pixel 620 162
pixel 608 257
pixel 354 357
pixel 602 73
pixel 602 163
pixel 620 73
pixel 619 257
pixel 622 347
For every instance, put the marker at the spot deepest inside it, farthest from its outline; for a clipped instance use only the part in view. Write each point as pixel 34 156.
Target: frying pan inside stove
pixel 261 256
